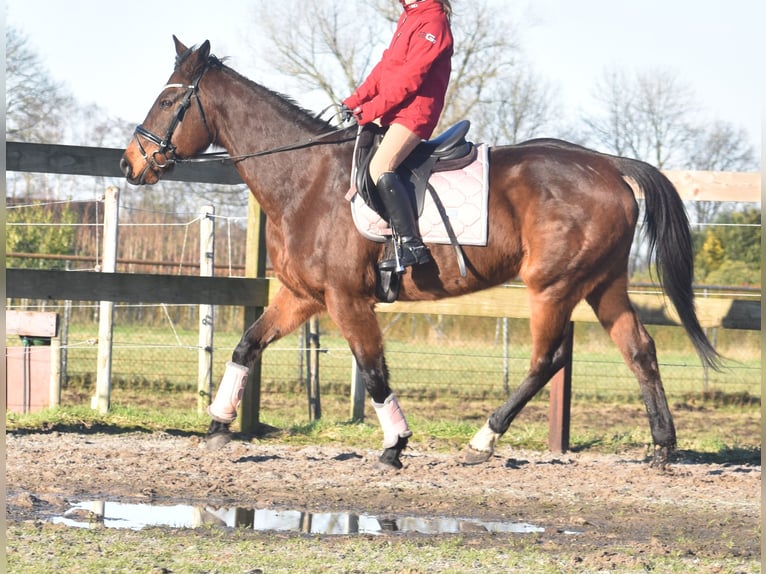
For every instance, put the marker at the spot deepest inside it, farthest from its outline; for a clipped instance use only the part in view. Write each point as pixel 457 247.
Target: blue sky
pixel 119 55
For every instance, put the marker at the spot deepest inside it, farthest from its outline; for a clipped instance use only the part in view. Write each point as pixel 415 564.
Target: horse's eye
pixel 164 104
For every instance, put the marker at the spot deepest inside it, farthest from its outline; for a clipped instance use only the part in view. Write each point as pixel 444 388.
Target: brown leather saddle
pixel 448 151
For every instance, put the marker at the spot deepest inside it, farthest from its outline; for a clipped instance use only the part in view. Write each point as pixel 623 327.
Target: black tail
pixel 670 248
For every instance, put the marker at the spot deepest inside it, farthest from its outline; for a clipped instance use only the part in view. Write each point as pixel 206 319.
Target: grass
pixel 39 549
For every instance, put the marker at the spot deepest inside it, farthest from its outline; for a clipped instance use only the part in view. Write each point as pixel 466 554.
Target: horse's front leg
pixel 359 325
pixel 393 423
pixel 285 314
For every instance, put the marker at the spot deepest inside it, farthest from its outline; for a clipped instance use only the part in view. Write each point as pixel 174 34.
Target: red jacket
pixel 408 85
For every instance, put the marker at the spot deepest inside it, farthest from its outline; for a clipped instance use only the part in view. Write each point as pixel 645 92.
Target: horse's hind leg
pixel 548 324
pixel 284 314
pixel 616 314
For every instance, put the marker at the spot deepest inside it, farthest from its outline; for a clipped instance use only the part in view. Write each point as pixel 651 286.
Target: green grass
pixel 44 548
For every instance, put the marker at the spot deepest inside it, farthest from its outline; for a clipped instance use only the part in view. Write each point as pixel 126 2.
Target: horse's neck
pixel 259 121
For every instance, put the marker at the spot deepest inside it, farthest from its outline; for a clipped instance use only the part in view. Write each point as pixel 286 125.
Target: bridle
pixel 165 154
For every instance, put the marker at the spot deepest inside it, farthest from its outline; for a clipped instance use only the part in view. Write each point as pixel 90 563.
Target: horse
pixel 561 218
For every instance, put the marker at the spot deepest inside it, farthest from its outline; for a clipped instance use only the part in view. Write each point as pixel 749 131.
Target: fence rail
pixel 57 285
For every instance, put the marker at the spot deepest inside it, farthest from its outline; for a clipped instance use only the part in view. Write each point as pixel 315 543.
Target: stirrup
pixel 411 252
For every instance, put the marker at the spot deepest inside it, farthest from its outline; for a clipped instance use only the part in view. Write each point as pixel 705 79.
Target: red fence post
pixel 561 400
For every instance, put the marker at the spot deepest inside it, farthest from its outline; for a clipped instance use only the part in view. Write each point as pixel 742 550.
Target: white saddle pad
pixel 464 194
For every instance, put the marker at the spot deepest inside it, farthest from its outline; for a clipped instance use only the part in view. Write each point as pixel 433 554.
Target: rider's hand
pixel 346 115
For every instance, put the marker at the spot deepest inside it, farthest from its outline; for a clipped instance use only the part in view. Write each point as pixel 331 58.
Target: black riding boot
pixel 401 217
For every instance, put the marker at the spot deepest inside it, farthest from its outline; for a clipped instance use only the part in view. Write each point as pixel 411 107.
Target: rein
pixel 223 156
pixel 166 154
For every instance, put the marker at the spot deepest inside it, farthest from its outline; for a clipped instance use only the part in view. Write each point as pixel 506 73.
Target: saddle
pixel 447 152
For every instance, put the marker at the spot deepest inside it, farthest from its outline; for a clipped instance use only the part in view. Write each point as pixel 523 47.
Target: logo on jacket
pixel 428 36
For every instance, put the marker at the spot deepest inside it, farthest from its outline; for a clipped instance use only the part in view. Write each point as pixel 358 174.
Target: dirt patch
pixel 601 504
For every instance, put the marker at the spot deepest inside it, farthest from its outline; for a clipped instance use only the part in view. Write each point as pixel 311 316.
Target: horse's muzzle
pixel 146 176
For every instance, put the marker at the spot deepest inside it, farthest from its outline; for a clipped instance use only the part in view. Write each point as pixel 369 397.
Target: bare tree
pixel 331 48
pixel 328 48
pixel 35 105
pixel 648 116
pixel 522 108
pixel 719 147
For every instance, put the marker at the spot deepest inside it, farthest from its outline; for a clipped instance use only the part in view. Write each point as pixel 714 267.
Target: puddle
pixel 90 514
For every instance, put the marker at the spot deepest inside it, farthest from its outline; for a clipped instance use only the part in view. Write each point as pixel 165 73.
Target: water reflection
pixel 88 514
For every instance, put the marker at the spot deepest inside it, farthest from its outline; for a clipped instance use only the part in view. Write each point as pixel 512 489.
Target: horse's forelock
pixel 183 56
pixel 212 61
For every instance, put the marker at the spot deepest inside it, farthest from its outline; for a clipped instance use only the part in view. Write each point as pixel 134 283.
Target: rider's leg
pixel 397 144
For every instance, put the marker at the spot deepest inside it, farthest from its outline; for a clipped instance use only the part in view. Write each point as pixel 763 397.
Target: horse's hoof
pixel 218 436
pixel 472 456
pixel 388 465
pixel 217 441
pixel 390 460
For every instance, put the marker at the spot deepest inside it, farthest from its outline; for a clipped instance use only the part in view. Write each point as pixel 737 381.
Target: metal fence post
pixel 206 312
pixel 312 347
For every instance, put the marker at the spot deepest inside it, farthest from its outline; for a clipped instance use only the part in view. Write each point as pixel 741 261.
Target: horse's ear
pixel 180 47
pixel 204 50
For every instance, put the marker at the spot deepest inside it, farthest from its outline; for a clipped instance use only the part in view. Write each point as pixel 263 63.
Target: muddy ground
pixel 600 503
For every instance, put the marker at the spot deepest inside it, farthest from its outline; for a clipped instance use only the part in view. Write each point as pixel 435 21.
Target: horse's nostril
pixel 125 167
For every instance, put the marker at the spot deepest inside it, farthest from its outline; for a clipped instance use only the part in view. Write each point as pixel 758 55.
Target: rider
pixel 405 93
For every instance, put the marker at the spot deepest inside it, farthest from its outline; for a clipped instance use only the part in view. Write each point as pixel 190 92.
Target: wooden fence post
pixel 100 401
pixel 206 311
pixel 357 393
pixel 561 399
pixel 255 266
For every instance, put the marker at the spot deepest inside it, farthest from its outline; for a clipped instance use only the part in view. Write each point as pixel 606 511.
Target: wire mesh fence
pixel 156 347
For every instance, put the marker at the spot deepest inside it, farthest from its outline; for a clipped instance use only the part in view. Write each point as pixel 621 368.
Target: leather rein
pixel 165 155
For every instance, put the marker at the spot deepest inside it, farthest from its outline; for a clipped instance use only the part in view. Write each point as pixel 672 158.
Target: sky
pixel 119 55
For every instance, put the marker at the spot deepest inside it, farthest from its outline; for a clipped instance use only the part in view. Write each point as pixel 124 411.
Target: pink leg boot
pixel 392 421
pixel 227 399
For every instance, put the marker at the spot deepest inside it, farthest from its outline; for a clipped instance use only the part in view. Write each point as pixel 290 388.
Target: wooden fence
pixel 253 292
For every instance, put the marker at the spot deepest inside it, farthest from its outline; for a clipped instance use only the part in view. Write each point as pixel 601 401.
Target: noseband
pixel 165 155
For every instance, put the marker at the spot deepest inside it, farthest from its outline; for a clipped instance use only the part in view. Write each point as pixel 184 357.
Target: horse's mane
pixel 285 104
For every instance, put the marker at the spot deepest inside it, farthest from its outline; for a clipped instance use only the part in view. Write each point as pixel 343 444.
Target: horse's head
pixel 171 130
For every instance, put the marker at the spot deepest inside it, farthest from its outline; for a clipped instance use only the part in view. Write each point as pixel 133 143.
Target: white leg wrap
pixel 484 440
pixel 392 421
pixel 224 406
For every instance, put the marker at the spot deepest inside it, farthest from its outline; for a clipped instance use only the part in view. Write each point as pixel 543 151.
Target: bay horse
pixel 561 217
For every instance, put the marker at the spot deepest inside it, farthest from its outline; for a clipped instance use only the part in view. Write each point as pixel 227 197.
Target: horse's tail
pixel 670 248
